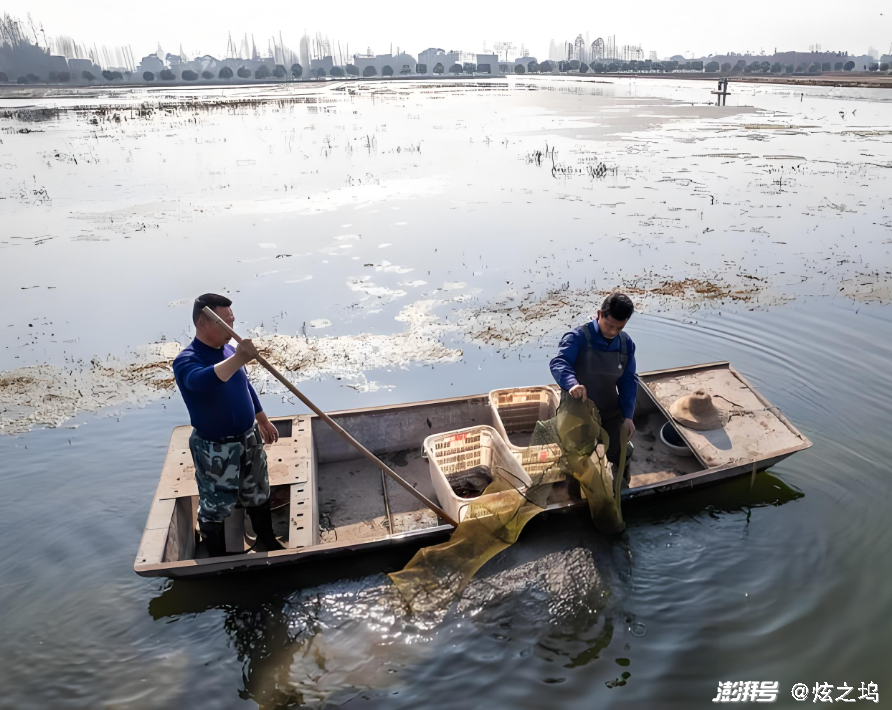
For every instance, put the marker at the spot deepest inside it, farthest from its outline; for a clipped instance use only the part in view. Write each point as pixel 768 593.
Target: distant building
pixel 326 64
pixel 431 56
pixel 488 64
pixel 150 63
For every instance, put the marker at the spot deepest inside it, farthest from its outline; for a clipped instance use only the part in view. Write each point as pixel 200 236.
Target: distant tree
pixel 546 66
pixel 148 76
pixel 519 69
pixel 422 68
pixel 873 66
pixel 337 72
pixel 320 73
pixel 777 68
pixel 54 77
pixel 598 67
pixel 687 66
pixel 884 66
pixel 455 69
pixel 848 66
pixel 814 68
pixel 189 75
pixel 438 68
pixel 765 67
pixel 468 67
pixel 504 68
pixel 21 80
pixel 613 67
pixel 670 66
pixel 243 73
pixel 406 70
pixel 4 79
pixel 801 68
pixel 726 67
pixel 583 67
pixel 262 72
pixel 790 69
pixel 371 71
pixel 387 70
pixel 279 71
pixel 107 75
pixel 754 68
pixel 837 66
pixel 296 70
pixel 112 75
pixel 352 70
pixel 825 66
pixel 574 65
pixel 712 67
pixel 64 77
pixel 207 75
pixel 697 66
pixel 225 73
pixel 88 75
pixel 563 67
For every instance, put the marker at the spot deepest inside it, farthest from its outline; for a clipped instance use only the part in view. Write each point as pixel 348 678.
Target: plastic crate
pixel 519 408
pixel 466 458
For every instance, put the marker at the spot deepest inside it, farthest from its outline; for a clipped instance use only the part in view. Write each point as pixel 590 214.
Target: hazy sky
pixel 667 28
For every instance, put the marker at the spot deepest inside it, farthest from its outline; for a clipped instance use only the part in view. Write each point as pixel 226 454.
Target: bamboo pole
pixel 334 425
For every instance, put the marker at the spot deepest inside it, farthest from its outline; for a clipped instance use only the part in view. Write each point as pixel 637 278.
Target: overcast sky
pixel 667 28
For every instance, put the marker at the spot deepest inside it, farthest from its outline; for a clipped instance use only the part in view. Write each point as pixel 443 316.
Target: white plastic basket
pixel 519 408
pixel 455 455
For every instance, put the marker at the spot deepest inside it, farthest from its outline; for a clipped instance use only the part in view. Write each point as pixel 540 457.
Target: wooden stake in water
pixel 334 425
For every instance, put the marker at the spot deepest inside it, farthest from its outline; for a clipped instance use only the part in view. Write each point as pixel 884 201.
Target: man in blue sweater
pixel 230 427
pixel 597 361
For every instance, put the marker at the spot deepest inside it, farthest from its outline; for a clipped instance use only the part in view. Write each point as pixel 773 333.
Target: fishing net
pixel 571 444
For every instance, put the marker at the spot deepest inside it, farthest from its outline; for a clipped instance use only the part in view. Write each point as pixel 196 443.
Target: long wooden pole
pixel 334 425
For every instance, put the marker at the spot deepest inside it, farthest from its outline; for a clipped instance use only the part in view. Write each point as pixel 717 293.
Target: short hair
pixel 618 306
pixel 211 300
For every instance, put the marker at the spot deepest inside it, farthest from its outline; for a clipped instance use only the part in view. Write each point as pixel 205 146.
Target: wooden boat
pixel 336 503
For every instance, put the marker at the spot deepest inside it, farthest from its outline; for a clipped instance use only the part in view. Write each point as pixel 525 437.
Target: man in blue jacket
pixel 597 361
pixel 229 427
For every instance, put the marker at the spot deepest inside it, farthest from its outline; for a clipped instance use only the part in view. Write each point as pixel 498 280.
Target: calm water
pixel 787 580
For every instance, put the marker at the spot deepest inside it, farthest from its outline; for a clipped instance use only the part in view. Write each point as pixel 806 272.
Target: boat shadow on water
pixel 334 632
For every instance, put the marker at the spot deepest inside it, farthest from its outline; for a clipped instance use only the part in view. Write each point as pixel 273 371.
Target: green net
pixel 571 444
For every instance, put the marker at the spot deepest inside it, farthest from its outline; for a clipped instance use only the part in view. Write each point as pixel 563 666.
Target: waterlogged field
pixel 396 241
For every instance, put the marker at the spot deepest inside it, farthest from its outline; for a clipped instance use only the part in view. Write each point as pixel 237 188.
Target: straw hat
pixel 696 411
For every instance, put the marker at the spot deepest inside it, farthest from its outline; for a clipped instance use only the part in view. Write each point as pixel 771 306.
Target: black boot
pixel 262 522
pixel 214 538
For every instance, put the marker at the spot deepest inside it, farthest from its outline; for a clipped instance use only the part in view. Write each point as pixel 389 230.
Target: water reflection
pixel 558 598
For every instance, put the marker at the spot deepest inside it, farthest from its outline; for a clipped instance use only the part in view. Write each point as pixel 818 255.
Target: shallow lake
pixel 424 240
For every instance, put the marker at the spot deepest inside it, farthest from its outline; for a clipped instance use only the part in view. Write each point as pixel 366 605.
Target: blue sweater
pixel 562 366
pixel 217 409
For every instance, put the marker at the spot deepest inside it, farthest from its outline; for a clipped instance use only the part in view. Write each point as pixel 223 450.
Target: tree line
pixel 264 72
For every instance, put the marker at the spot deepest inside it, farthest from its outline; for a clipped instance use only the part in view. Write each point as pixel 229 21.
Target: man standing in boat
pixel 229 427
pixel 597 361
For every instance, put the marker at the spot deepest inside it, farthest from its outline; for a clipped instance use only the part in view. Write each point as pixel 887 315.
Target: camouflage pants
pixel 229 473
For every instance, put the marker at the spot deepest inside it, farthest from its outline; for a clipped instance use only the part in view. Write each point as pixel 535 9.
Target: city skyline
pixel 357 30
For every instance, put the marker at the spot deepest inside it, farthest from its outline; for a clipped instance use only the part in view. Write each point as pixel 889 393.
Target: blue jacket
pixel 217 409
pixel 562 366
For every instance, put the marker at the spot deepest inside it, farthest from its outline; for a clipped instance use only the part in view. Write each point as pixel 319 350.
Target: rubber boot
pixel 262 522
pixel 214 538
